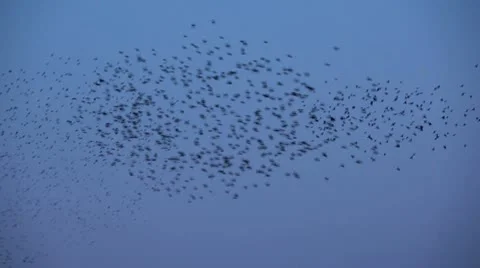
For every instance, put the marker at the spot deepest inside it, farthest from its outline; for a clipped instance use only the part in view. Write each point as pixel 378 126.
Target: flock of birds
pixel 211 122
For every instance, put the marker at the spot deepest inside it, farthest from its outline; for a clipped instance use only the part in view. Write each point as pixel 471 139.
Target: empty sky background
pixel 365 216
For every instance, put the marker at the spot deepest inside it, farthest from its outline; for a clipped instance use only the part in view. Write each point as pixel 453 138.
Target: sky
pixel 369 215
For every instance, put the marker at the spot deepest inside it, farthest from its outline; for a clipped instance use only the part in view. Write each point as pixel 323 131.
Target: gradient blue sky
pixel 369 216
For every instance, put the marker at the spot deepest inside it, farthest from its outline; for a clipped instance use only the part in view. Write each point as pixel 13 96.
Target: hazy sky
pixel 366 216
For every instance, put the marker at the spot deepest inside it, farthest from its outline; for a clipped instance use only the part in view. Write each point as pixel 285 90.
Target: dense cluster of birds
pixel 213 121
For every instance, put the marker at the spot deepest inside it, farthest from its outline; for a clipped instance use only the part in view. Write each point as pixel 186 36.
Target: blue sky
pixel 366 216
